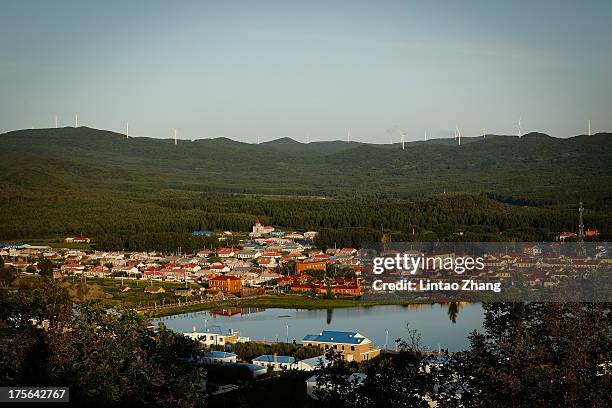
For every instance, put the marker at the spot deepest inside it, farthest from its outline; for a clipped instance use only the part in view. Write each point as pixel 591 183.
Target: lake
pixel 433 321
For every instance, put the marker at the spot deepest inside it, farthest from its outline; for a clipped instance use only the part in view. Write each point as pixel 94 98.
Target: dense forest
pixel 150 194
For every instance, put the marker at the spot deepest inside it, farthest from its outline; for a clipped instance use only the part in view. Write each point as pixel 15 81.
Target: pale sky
pixel 286 68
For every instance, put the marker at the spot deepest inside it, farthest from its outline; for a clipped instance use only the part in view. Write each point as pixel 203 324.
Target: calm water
pixel 432 321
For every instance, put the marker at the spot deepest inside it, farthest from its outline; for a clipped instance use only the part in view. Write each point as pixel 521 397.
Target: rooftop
pixel 329 336
pixel 268 358
pixel 219 354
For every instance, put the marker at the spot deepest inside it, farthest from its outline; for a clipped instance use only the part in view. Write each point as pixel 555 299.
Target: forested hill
pixel 144 193
pixel 535 167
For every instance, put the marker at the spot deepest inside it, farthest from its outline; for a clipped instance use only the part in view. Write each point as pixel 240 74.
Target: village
pixel 269 261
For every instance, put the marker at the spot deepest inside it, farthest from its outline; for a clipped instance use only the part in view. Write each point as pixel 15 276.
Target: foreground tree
pixel 539 355
pixel 107 358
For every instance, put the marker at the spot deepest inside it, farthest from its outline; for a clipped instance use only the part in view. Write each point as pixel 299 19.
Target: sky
pixel 307 69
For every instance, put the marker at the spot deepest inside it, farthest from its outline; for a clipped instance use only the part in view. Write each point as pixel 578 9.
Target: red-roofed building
pixel 226 252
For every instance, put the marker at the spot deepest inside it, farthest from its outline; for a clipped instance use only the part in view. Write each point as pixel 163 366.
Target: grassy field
pixel 279 302
pixel 108 291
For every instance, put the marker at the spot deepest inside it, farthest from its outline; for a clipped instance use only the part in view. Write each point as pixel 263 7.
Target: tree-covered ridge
pixel 150 194
pixel 535 166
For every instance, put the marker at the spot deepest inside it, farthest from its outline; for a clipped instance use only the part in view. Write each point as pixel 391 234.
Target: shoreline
pixel 282 302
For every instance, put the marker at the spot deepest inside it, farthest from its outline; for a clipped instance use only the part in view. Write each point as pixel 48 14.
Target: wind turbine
pixel 76 120
pixel 258 139
pixel 175 141
pixel 127 130
pixel 589 127
pixel 484 133
pixel 403 139
pixel 519 128
pixel 348 135
pixel 56 120
pixel 458 135
pixel 425 135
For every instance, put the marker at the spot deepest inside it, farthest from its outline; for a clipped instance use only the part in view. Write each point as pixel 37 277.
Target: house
pixel 99 271
pixel 310 364
pixel 218 357
pixel 310 235
pixel 309 266
pixel 277 363
pixel 215 336
pixel 229 284
pixel 267 262
pixel 266 276
pixel 248 254
pixel 226 252
pixel 154 289
pixel 127 270
pixel 184 292
pixel 204 253
pixel 219 268
pixel 353 346
pixel 76 240
pixel 203 233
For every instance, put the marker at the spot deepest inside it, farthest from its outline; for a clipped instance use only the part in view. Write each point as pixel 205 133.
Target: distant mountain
pixel 288 145
pixel 536 166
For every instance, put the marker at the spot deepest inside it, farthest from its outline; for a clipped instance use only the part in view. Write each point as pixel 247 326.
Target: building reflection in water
pixel 235 310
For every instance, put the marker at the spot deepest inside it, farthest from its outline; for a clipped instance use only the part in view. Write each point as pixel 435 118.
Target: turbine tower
pixel 484 133
pixel 76 120
pixel 175 141
pixel 458 135
pixel 519 128
pixel 403 138
pixel 127 130
pixel 589 127
pixel 56 121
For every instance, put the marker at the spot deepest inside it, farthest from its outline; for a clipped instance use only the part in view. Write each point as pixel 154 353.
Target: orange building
pixel 310 266
pixel 230 284
pixel 352 345
pixel 301 288
pixel 338 290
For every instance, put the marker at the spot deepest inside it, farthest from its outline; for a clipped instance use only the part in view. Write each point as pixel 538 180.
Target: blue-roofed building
pixel 11 245
pixel 276 362
pixel 310 364
pixel 353 346
pixel 218 357
pixel 204 233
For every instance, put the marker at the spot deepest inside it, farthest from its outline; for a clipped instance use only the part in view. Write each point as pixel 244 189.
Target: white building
pixel 277 363
pixel 218 357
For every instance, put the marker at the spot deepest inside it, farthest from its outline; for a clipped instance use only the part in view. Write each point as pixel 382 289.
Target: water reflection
pixel 453 312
